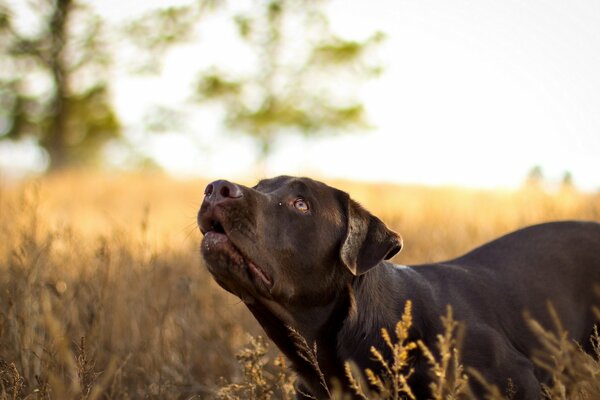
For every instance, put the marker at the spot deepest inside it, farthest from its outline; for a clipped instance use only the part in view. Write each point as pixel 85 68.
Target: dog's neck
pixel 373 311
pixel 308 338
pixel 380 297
pixel 355 318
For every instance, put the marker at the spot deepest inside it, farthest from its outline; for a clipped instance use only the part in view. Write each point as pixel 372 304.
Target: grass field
pixel 103 293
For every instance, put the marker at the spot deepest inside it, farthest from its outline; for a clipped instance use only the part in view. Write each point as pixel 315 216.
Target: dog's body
pixel 303 255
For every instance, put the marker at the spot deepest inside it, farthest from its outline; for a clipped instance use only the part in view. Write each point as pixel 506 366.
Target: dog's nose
pixel 220 190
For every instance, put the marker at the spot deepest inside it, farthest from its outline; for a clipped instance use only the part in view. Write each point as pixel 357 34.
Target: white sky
pixel 474 93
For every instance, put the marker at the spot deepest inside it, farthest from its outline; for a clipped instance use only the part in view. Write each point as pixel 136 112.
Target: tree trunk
pixel 56 143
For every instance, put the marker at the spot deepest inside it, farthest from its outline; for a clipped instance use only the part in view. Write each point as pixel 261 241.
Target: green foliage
pixel 91 122
pixel 339 52
pixel 535 177
pixel 53 87
pixel 157 31
pixel 214 85
pixel 290 90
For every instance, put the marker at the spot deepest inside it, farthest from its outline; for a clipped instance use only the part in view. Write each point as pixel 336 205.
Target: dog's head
pixel 289 240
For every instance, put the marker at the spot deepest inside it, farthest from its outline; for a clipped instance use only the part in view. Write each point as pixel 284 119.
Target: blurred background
pixel 453 121
pixel 431 92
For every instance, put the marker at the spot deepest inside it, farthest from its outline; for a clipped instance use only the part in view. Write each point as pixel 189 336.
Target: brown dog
pixel 301 254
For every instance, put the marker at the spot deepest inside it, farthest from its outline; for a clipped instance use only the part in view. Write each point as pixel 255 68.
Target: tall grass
pixel 103 294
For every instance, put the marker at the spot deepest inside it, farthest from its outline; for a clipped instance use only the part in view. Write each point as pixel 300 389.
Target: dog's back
pixel 493 287
pixel 555 263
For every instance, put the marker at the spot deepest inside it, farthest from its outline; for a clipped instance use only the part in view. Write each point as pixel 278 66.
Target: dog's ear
pixel 368 241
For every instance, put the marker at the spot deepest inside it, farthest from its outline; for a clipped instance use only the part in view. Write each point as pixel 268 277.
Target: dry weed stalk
pixel 11 382
pixel 575 373
pixel 448 378
pixel 308 354
pixel 492 392
pixel 85 369
pixel 258 383
pixel 392 382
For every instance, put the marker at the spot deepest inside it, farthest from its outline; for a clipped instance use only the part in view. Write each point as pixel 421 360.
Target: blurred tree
pixel 159 29
pixel 535 177
pixel 567 180
pixel 53 81
pixel 54 86
pixel 299 78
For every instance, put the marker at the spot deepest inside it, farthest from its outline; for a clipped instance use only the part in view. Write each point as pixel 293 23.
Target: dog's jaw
pixel 222 256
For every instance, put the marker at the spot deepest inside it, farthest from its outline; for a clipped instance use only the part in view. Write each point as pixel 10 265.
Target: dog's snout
pixel 216 194
pixel 221 190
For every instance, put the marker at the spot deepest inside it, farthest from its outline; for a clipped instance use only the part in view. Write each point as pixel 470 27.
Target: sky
pixel 474 93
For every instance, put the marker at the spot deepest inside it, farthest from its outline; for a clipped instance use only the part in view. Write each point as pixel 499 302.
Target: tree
pixel 53 86
pixel 158 30
pixel 535 177
pixel 289 85
pixel 567 181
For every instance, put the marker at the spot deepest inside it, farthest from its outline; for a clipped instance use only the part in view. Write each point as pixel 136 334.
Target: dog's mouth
pixel 219 250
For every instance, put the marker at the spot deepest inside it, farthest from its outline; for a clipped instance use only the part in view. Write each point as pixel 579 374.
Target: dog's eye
pixel 301 205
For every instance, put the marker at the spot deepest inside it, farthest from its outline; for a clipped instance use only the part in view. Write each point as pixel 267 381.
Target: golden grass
pixel 393 382
pixel 575 374
pixel 103 294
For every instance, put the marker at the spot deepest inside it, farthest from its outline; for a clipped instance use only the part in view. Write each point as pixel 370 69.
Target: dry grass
pixel 576 374
pixel 103 294
pixel 392 383
pixel 449 382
